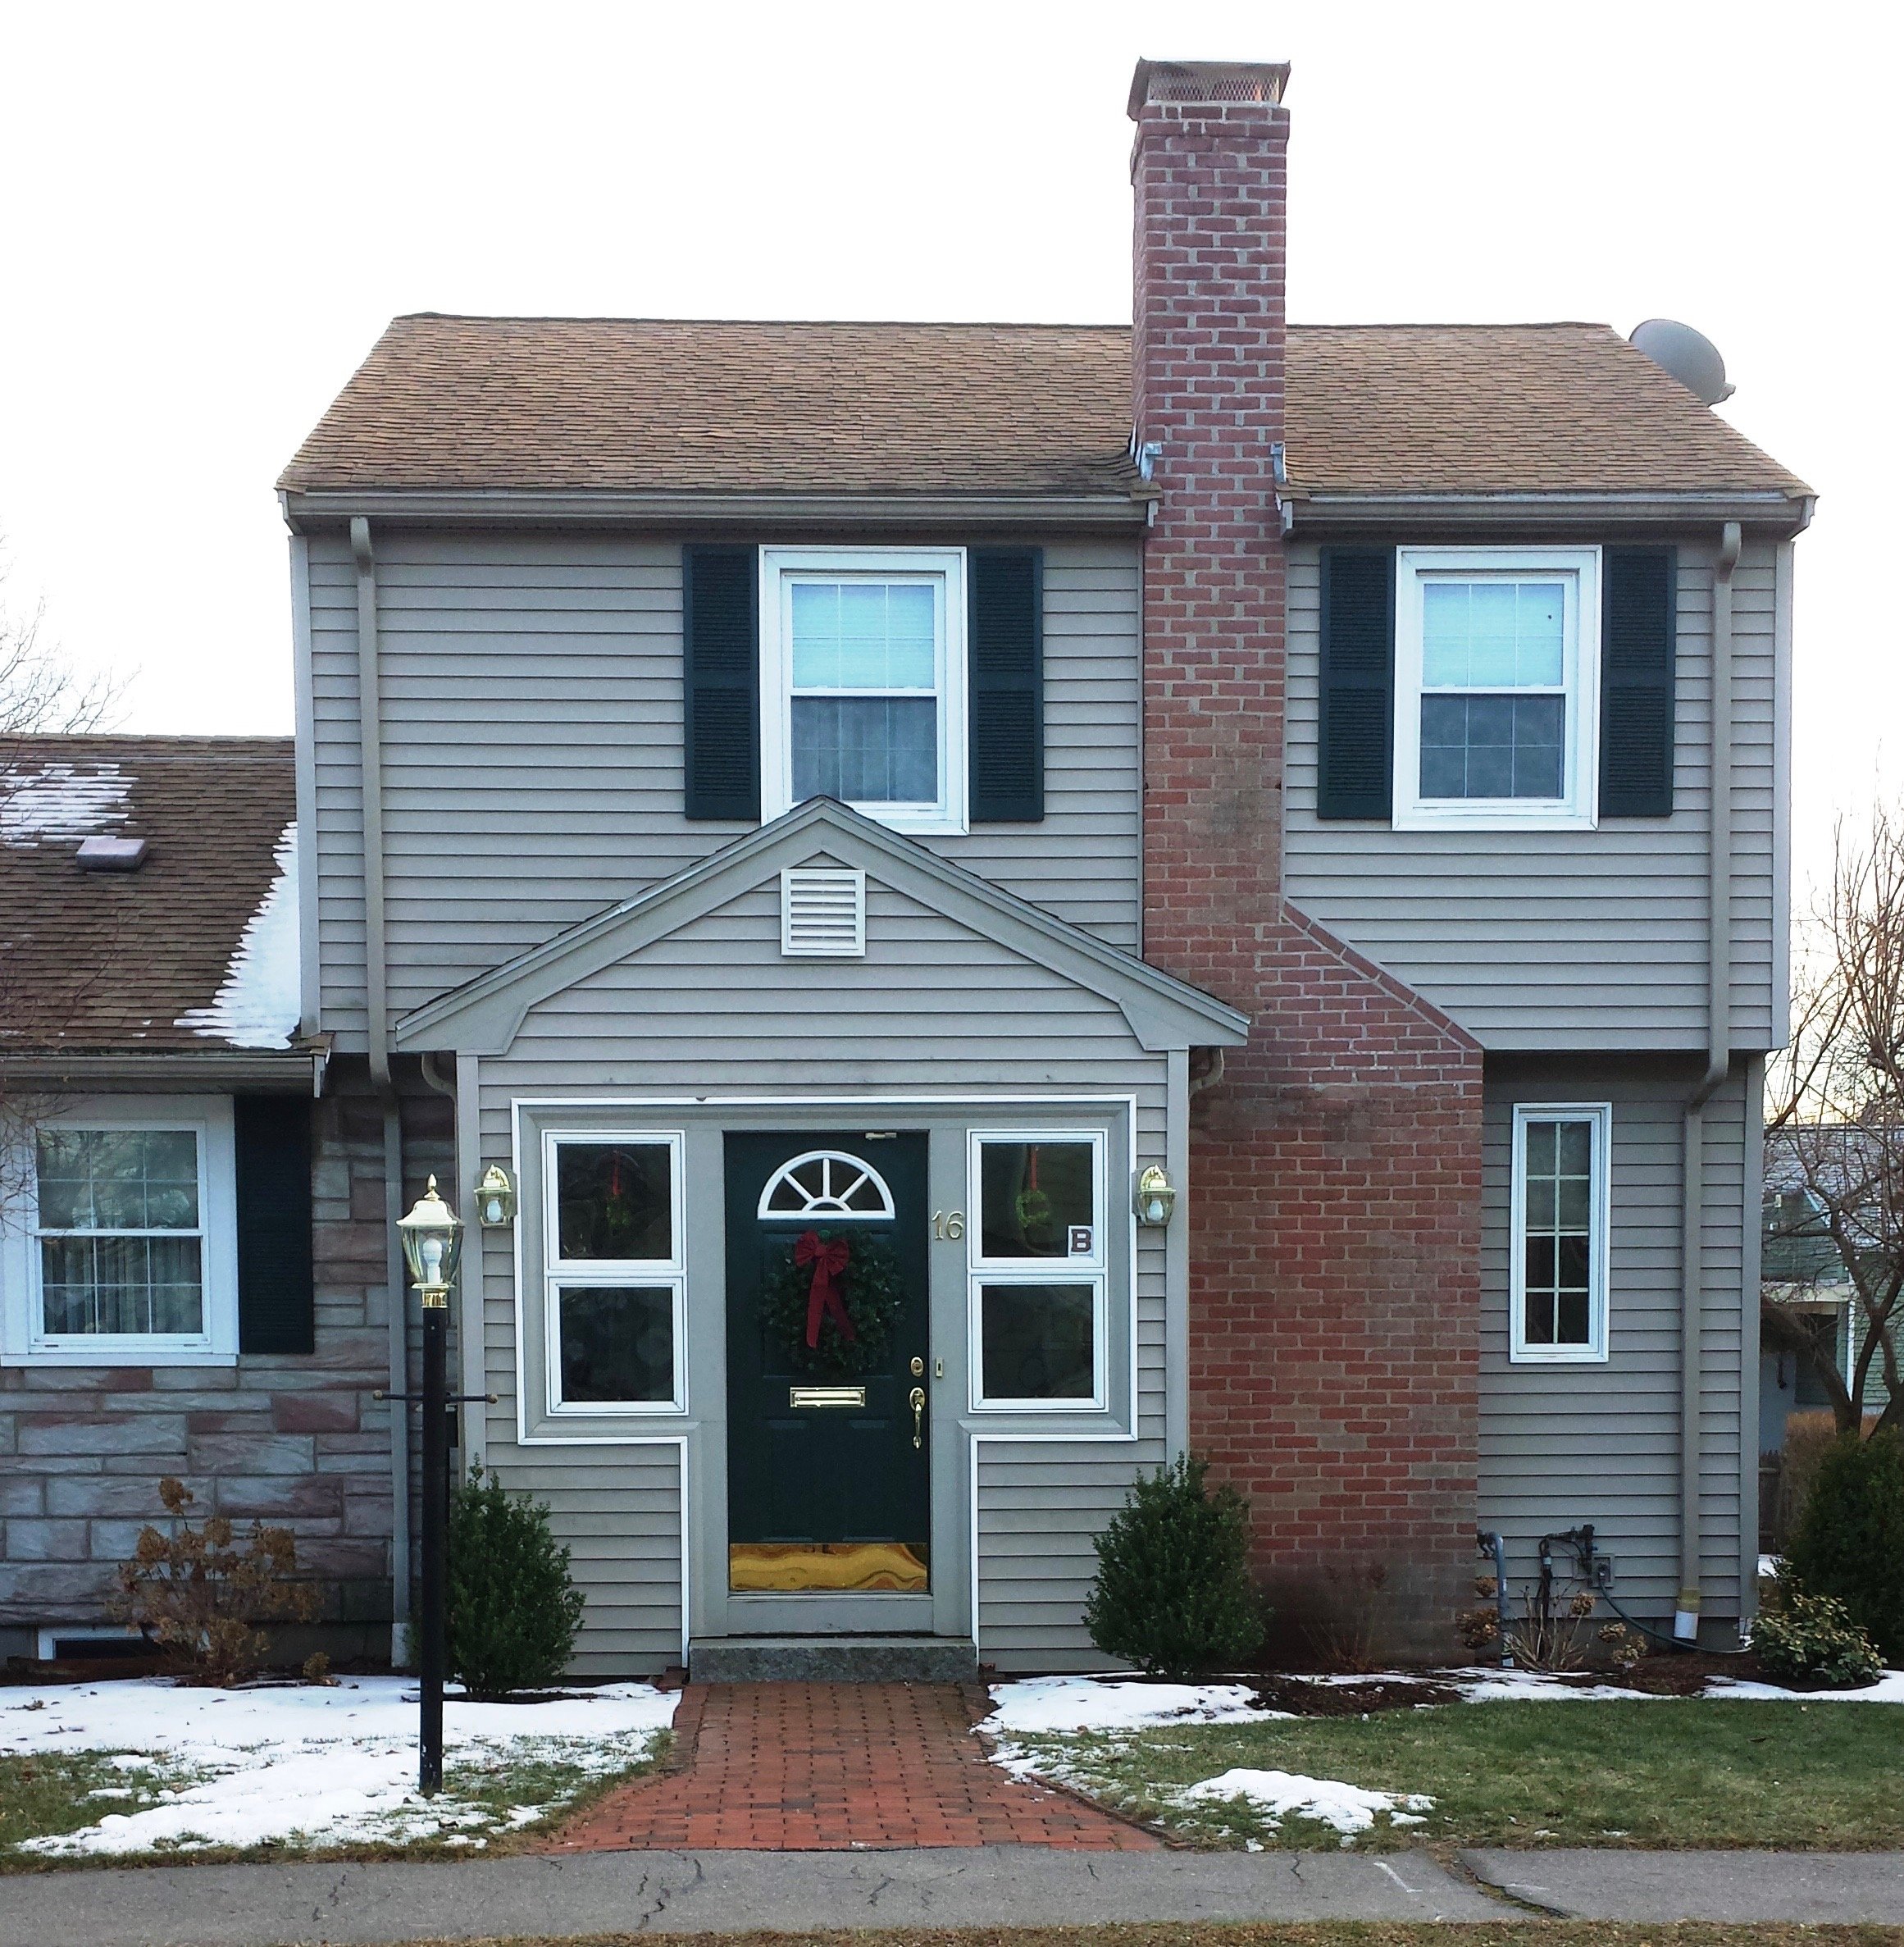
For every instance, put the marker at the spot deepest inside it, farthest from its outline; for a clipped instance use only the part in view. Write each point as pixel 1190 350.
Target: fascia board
pixel 485 1017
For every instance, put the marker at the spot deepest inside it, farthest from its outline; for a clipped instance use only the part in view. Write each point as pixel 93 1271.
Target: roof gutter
pixel 217 1070
pixel 701 512
pixel 1718 1065
pixel 377 1036
pixel 1322 513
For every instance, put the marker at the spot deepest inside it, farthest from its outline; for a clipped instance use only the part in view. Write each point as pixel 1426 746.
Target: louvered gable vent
pixel 822 913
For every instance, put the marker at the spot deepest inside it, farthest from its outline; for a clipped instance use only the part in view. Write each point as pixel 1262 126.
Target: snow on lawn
pixel 319 1766
pixel 258 1003
pixel 1889 1689
pixel 1041 1706
pixel 1281 1794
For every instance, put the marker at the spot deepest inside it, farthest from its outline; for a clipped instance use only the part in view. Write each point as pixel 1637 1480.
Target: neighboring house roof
pixel 484 1015
pixel 634 405
pixel 197 949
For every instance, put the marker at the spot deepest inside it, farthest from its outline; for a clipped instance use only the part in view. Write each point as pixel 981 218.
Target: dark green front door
pixel 828 1487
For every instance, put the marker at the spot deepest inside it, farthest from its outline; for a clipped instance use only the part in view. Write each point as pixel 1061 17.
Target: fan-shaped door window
pixel 826 1183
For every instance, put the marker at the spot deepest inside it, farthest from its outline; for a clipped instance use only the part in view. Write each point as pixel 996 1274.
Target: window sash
pixel 24 1337
pixel 1058 1267
pixel 1576 572
pixel 559 1273
pixel 574 1278
pixel 784 569
pixel 1090 1271
pixel 44 1334
pixel 584 1269
pixel 1530 1220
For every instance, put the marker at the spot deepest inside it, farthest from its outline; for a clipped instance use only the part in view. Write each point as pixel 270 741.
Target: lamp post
pixel 432 1242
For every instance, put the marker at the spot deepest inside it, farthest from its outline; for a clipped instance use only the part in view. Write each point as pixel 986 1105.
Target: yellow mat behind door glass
pixel 787 1566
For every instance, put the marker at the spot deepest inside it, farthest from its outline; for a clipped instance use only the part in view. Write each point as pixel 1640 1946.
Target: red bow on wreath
pixel 829 1259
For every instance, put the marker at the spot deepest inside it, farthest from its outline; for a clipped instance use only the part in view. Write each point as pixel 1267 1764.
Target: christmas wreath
pixel 830 1298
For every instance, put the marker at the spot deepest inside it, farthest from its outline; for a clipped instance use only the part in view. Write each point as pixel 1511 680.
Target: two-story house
pixel 993 902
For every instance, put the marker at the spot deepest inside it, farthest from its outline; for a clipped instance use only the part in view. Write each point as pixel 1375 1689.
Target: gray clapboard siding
pixel 1560 940
pixel 715 1009
pixel 532 753
pixel 1564 1445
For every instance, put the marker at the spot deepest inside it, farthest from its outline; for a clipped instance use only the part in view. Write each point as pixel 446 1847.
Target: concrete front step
pixel 832 1659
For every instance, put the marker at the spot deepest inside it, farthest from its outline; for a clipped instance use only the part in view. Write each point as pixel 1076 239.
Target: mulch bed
pixel 1303 1699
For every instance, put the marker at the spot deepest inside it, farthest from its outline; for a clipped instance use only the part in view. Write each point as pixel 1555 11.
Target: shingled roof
pixel 628 406
pixel 165 958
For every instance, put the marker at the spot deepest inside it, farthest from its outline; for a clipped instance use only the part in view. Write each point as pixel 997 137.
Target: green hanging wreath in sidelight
pixel 829 1300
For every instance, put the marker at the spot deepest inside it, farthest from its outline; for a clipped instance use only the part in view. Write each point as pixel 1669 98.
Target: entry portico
pixel 954 1096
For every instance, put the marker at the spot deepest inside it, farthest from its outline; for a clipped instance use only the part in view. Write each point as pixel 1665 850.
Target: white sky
pixel 210 212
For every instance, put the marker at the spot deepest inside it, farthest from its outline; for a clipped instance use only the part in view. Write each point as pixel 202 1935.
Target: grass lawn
pixel 491 1803
pixel 1674 1772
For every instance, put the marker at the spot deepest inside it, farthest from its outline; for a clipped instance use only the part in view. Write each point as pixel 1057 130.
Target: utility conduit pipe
pixel 1718 1062
pixel 376 1026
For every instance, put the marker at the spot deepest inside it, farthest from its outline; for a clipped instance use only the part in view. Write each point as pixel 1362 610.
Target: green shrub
pixel 1811 1638
pixel 513 1610
pixel 1850 1542
pixel 1173 1594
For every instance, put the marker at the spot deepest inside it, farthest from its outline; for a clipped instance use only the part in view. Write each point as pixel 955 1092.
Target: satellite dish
pixel 1689 355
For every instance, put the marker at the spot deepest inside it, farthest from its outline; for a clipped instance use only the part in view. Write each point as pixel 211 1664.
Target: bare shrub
pixel 201 1594
pixel 1346 1631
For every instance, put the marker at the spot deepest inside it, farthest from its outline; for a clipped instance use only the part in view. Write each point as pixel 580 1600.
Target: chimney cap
pixel 1208 81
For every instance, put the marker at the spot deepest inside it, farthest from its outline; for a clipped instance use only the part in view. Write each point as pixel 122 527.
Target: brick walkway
pixel 827 1767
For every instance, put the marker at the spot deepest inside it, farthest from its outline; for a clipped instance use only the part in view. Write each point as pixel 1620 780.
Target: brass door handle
pixel 917 1403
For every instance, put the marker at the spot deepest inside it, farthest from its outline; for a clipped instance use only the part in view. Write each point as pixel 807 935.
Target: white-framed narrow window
pixel 614 1271
pixel 1497 688
pixel 1037 1255
pixel 1559 1223
pixel 863 682
pixel 123 1249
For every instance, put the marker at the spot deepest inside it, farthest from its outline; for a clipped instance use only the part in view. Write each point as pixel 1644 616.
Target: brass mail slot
pixel 826 1396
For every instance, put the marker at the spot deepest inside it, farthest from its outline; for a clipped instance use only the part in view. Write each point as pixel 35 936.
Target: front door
pixel 828 1447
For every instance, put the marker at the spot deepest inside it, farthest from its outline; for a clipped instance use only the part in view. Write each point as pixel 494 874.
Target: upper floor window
pixel 1560 1221
pixel 126 1254
pixel 862 676
pixel 1497 687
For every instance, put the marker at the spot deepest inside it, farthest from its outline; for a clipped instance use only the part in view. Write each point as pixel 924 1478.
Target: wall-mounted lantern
pixel 495 1198
pixel 1156 1198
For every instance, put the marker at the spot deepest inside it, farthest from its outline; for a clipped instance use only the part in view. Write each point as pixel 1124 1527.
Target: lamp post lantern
pixel 432 1237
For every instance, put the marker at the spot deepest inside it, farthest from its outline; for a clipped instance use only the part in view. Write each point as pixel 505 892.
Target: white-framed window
pixel 1037 1254
pixel 614 1271
pixel 1497 688
pixel 121 1247
pixel 1559 1229
pixel 863 682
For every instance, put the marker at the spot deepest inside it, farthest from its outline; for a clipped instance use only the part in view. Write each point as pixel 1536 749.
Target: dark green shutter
pixel 1356 734
pixel 1638 641
pixel 1007 684
pixel 721 707
pixel 275 1301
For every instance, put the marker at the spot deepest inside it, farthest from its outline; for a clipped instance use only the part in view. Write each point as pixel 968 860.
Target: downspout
pixel 376 1026
pixel 1718 1062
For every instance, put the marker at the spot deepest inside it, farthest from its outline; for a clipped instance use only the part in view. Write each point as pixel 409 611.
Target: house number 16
pixel 948 1223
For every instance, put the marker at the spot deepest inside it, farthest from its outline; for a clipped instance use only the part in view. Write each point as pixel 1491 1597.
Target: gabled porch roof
pixel 483 1016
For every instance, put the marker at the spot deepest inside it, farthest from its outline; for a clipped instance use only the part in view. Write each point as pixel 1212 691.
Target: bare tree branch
pixel 41 693
pixel 1834 1120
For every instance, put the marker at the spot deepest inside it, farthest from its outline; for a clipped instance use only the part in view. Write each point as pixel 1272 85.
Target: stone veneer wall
pixel 291 1440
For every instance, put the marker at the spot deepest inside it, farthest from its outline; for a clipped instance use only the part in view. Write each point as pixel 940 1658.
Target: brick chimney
pixel 1333 1195
pixel 1208 171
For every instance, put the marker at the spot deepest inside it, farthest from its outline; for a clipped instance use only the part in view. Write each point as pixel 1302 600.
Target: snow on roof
pixel 258 1004
pixel 60 800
